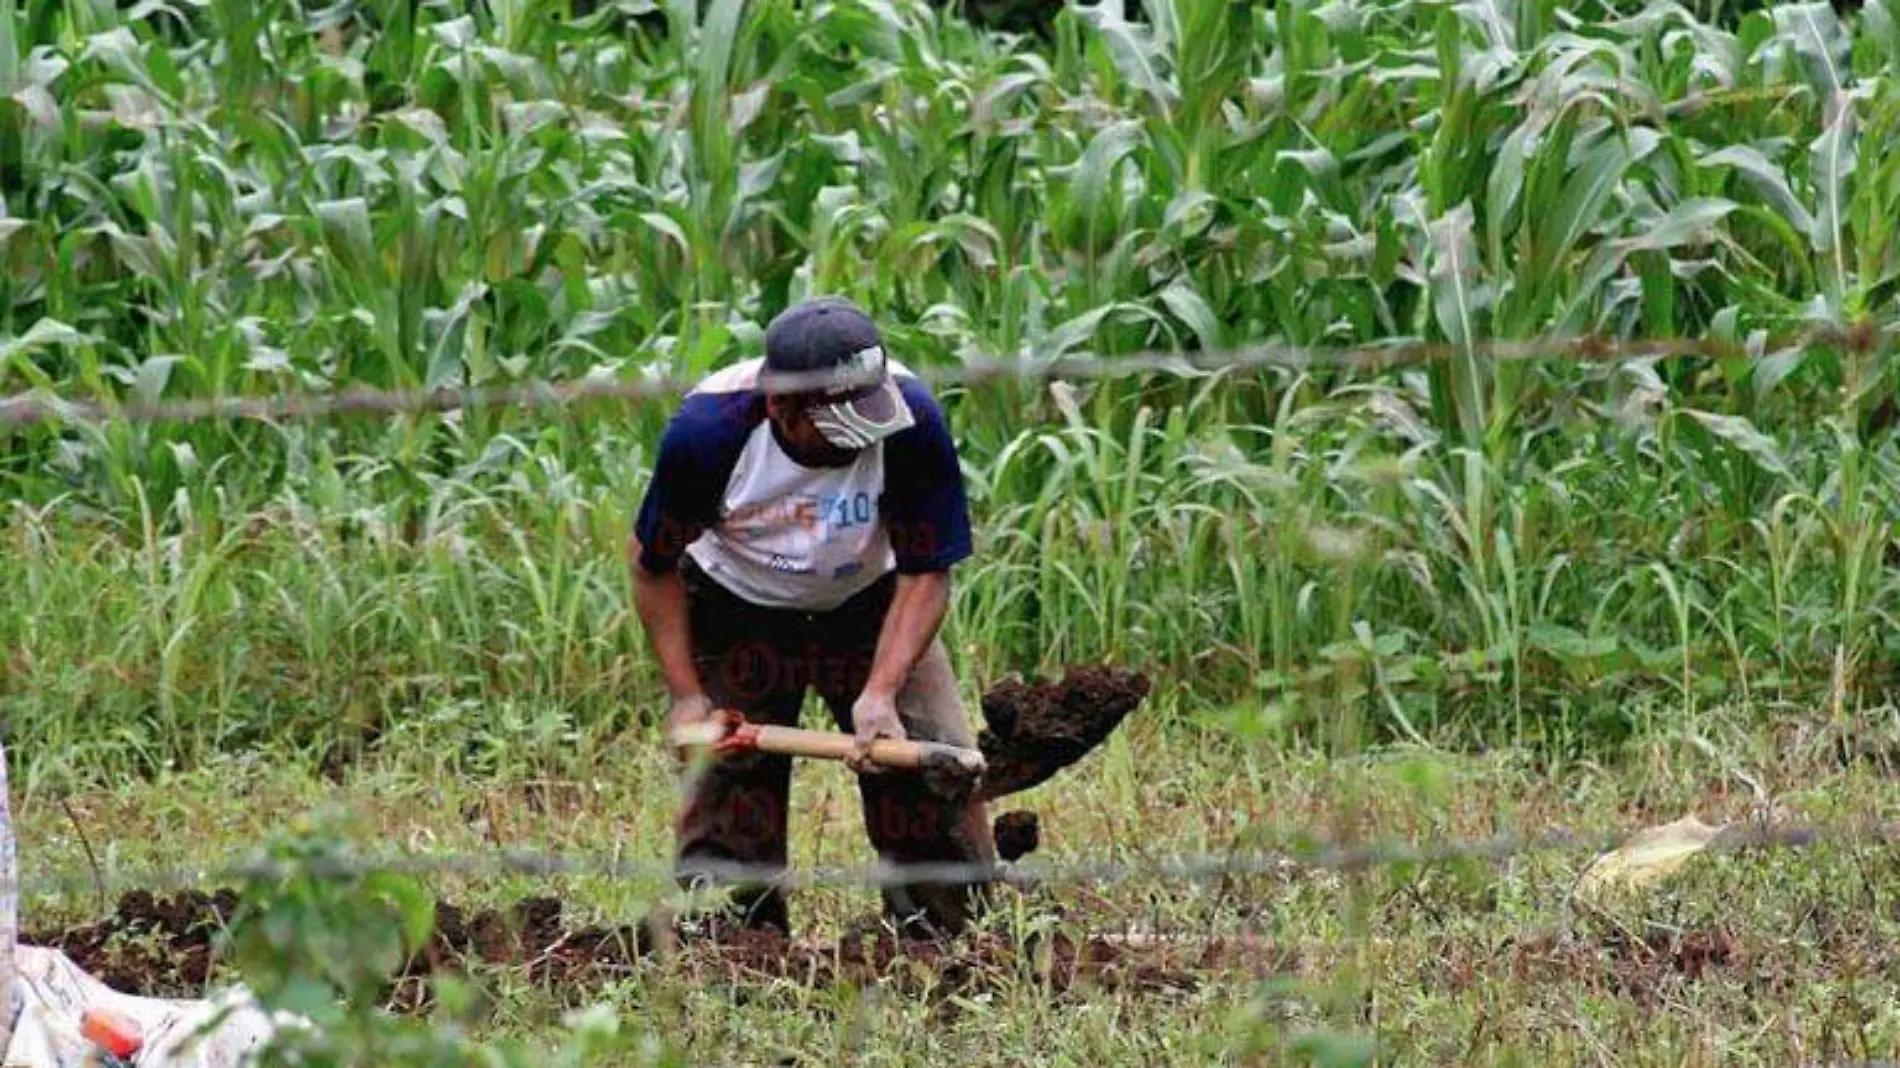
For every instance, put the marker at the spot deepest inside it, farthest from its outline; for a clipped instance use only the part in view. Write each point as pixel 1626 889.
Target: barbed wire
pixel 1288 862
pixel 42 407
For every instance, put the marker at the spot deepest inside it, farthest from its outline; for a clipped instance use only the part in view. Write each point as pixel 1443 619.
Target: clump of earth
pixel 1034 730
pixel 1017 834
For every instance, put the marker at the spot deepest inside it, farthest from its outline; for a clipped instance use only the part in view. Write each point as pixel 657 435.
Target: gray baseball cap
pixel 828 349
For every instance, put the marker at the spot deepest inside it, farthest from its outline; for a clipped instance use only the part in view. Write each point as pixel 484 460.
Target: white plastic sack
pixel 44 997
pixel 9 910
pixel 54 994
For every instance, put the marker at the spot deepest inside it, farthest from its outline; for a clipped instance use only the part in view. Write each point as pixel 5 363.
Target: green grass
pixel 1482 962
pixel 1600 582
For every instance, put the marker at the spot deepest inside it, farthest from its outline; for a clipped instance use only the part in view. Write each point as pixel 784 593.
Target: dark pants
pixel 761 662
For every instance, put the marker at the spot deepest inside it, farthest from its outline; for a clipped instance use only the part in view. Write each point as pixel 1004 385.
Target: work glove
pixel 874 716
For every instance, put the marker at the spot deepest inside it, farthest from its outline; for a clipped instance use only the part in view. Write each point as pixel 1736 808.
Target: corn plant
pixel 286 197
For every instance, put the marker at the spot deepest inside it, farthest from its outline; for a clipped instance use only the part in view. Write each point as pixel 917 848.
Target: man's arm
pixel 917 611
pixel 929 521
pixel 928 517
pixel 660 600
pixel 681 501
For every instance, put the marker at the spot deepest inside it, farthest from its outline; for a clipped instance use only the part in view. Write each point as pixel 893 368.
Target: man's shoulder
pixel 740 379
pixel 721 407
pixel 916 393
pixel 931 424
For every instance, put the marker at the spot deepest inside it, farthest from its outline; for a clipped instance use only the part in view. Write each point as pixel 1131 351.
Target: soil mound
pixel 531 934
pixel 160 944
pixel 1017 834
pixel 1034 730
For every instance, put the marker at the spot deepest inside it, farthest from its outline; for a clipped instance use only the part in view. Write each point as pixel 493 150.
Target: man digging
pixel 805 510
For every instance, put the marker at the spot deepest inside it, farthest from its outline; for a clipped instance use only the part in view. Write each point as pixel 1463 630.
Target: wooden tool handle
pixel 888 752
pixel 831 745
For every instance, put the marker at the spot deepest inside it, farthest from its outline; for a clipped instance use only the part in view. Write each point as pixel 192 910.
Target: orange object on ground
pixel 117 1033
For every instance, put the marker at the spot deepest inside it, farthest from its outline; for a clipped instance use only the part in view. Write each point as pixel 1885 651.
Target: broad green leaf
pixel 42 333
pixel 1504 189
pixel 1192 308
pixel 1132 49
pixel 153 375
pixel 1588 188
pixel 1075 332
pixel 1567 643
pixel 670 227
pixel 1768 180
pixel 346 225
pixel 1688 221
pixel 1739 432
pixel 1879 24
pixel 1832 161
pixel 455 34
pixel 1817 36
pixel 1453 275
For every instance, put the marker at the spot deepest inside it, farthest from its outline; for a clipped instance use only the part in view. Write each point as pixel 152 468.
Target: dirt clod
pixel 1034 730
pixel 1017 834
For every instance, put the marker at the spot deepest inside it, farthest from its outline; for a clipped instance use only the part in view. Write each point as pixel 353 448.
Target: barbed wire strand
pixel 41 407
pixel 1291 861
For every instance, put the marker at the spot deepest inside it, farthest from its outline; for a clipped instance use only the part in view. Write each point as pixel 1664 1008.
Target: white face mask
pixel 863 420
pixel 868 407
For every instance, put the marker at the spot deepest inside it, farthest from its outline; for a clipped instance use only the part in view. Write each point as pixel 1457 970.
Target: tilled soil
pixel 160 946
pixel 1034 730
pixel 1643 969
pixel 166 947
